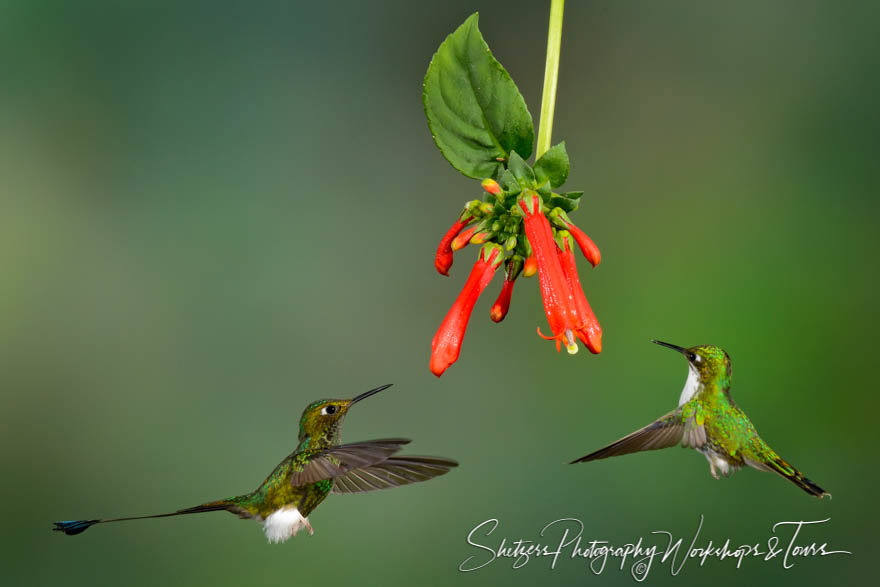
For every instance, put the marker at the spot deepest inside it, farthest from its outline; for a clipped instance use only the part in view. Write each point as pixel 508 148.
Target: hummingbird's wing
pixel 668 431
pixel 338 460
pixel 392 472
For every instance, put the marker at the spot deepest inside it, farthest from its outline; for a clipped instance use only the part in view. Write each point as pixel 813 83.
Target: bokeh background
pixel 215 213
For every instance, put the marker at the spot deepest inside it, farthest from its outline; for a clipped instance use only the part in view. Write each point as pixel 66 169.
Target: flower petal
pixel 446 345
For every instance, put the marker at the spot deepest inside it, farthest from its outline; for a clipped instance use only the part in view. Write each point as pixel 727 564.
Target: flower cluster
pixel 529 231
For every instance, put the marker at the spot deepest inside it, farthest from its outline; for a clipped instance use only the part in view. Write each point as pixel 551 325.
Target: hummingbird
pixel 708 420
pixel 320 465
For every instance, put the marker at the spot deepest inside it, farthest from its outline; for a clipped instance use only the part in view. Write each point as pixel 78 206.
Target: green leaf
pixel 553 166
pixel 475 112
pixel 521 170
pixel 565 201
pixel 509 183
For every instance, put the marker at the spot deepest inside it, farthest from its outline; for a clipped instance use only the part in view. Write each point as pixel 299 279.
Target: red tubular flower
pixel 588 247
pixel 559 303
pixel 589 330
pixel 443 258
pixel 481 237
pixel 502 304
pixel 586 244
pixel 530 267
pixel 446 344
pixel 492 187
pixel 464 237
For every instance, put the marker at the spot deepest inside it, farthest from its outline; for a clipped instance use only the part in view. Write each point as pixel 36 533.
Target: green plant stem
pixel 551 77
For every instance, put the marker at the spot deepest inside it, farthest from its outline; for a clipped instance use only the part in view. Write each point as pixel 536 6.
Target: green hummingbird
pixel 708 420
pixel 320 465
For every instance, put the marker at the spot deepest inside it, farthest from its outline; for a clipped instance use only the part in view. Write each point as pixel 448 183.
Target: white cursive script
pixel 564 539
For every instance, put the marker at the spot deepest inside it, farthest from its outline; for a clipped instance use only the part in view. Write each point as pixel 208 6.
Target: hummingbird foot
pixel 309 527
pixel 717 464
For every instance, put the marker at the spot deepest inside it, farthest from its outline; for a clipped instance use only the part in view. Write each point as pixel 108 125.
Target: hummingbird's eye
pixel 692 356
pixel 331 409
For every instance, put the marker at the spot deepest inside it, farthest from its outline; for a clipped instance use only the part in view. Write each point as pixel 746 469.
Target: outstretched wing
pixel 663 433
pixel 338 460
pixel 392 472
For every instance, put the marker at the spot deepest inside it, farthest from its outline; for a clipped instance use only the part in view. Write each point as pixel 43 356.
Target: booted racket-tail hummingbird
pixel 708 420
pixel 319 466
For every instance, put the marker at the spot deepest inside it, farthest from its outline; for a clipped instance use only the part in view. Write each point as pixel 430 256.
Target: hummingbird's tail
pixel 778 465
pixel 73 527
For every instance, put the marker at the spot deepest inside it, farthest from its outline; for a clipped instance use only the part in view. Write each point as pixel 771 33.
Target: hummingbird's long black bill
pixel 367 394
pixel 669 345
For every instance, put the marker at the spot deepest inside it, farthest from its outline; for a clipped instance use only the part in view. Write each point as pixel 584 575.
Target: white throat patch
pixel 691 386
pixel 285 523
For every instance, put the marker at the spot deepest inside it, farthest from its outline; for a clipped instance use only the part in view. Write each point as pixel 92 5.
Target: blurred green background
pixel 215 213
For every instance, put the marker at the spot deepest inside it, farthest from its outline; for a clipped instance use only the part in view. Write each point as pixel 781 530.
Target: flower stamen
pixel 570 344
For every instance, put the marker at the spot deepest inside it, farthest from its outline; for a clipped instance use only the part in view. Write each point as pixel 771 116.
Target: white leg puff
pixel 285 523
